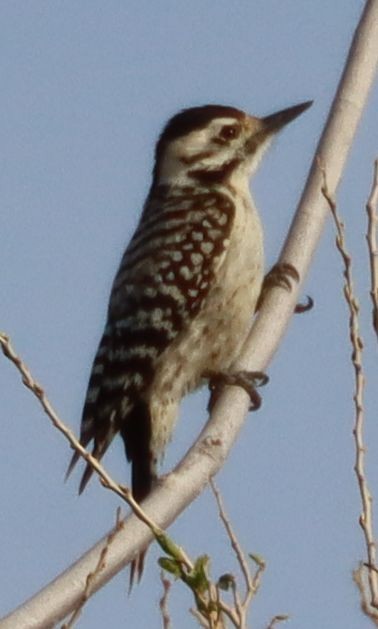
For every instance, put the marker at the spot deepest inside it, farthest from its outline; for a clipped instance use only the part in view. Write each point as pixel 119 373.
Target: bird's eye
pixel 229 132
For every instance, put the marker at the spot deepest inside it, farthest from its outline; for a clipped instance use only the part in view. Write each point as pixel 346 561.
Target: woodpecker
pixel 184 296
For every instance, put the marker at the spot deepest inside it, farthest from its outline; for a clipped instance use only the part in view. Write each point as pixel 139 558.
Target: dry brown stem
pixel 366 517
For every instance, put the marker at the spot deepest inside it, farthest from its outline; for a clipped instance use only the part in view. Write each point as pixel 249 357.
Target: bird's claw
pixel 248 380
pixel 282 274
pixel 304 307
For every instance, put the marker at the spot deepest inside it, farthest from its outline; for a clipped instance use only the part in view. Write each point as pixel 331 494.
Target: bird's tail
pixel 136 433
pixel 102 440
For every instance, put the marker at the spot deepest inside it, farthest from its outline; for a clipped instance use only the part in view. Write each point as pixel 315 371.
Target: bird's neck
pixel 229 178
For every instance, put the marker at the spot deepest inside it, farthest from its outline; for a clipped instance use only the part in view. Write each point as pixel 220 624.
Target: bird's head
pixel 212 143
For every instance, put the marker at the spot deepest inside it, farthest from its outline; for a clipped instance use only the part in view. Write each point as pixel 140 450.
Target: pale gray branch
pixel 209 452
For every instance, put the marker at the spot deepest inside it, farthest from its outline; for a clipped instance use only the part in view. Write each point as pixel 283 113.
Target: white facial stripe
pixel 197 150
pixel 218 123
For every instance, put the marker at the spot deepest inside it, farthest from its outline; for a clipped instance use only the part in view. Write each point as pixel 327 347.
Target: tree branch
pixel 208 454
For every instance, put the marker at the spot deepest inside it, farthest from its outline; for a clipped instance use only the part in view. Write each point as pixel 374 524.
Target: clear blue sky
pixel 85 89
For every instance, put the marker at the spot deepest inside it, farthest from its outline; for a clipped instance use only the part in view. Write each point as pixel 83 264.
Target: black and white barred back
pixel 182 300
pixel 160 286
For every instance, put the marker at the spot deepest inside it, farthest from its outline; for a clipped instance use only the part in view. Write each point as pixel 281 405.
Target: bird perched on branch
pixel 187 287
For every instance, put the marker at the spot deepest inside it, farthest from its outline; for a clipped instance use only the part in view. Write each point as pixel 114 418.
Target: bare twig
pixel 371 237
pixel 121 490
pixel 186 565
pixel 252 583
pixel 359 577
pixel 163 603
pixel 234 542
pixel 256 579
pixel 200 619
pixel 179 555
pixel 91 578
pixel 241 607
pixel 366 517
pixel 209 623
pixel 124 492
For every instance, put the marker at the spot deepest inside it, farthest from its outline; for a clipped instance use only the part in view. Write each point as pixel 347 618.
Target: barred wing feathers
pixel 164 277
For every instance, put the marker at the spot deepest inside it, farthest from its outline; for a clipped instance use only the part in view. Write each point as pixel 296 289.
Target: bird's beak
pixel 263 129
pixel 275 122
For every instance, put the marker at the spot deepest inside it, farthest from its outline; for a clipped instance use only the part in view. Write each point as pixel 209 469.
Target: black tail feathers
pixel 136 434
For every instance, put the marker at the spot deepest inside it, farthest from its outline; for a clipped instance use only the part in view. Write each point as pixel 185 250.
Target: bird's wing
pixel 163 279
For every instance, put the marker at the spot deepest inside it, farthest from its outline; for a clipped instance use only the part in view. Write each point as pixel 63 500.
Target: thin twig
pixel 256 579
pixel 209 623
pixel 106 480
pixel 39 393
pixel 216 609
pixel 366 517
pixel 371 237
pixel 200 619
pixel 241 608
pixel 233 539
pixel 121 490
pixel 252 583
pixel 359 577
pixel 91 578
pixel 163 603
pixel 223 610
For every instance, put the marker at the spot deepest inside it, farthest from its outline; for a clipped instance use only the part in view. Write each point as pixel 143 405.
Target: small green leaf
pixel 168 545
pixel 170 565
pixel 198 579
pixel 202 563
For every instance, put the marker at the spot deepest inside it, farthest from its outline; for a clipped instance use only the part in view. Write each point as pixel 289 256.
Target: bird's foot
pixel 282 274
pixel 248 380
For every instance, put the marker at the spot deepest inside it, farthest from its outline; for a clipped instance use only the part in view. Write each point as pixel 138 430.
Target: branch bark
pixel 208 454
